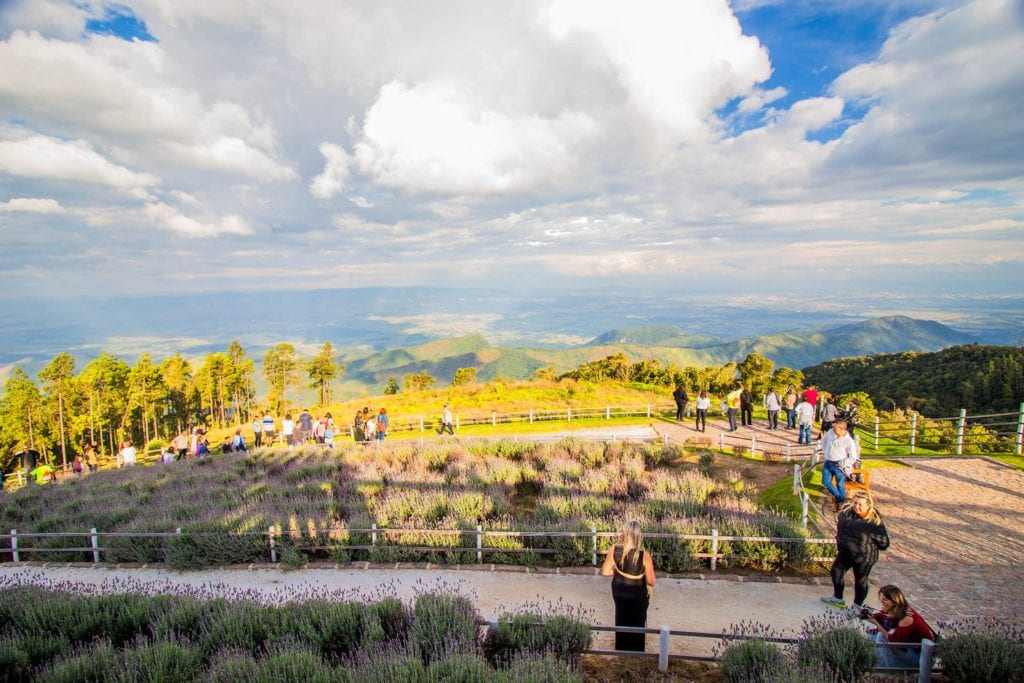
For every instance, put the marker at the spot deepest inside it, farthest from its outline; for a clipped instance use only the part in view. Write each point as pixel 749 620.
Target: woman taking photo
pixel 632 572
pixel 897 622
pixel 860 534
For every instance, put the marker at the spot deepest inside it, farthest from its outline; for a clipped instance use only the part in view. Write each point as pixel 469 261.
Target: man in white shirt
pixel 838 449
pixel 805 418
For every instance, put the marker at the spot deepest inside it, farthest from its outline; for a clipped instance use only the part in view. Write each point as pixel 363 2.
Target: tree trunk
pixel 60 413
pixel 31 436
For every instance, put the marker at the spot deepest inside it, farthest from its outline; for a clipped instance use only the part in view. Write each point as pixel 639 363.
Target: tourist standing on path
pixel 305 426
pixel 746 407
pixel 898 622
pixel 382 424
pixel 127 454
pixel 632 572
pixel 287 429
pixel 703 404
pixel 772 405
pixel 92 457
pixel 257 432
pixel 811 394
pixel 732 405
pixel 268 429
pixel 860 535
pixel 839 451
pixel 805 418
pixel 682 398
pixel 829 411
pixel 446 420
pixel 789 403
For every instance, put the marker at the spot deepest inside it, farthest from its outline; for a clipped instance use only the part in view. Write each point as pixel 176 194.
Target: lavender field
pixel 54 633
pixel 322 503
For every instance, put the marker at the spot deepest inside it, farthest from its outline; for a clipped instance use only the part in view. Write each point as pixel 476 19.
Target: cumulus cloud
pixel 49 158
pixel 336 171
pixel 123 94
pixel 428 138
pixel 32 205
pixel 167 217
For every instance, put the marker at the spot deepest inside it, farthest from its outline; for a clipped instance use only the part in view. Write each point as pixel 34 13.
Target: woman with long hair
pixel 860 534
pixel 898 622
pixel 632 572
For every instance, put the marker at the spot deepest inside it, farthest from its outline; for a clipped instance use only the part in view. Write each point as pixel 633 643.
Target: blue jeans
pixel 889 657
pixel 832 469
pixel 805 435
pixel 790 418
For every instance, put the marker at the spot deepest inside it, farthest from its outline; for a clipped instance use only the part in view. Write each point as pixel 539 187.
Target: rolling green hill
pixel 667 344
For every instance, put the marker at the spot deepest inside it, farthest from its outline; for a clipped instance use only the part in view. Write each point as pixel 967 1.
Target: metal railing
pixel 378 537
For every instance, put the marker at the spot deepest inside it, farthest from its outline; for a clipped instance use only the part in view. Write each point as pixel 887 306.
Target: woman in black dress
pixel 632 572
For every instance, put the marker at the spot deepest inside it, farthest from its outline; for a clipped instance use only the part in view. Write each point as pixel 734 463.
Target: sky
pixel 785 148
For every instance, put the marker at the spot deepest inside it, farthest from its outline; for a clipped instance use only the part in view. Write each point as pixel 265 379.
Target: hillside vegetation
pixel 982 379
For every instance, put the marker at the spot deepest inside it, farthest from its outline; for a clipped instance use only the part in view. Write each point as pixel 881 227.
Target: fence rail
pixel 16 547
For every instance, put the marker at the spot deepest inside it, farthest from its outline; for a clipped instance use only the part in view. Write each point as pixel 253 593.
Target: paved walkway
pixel 957 531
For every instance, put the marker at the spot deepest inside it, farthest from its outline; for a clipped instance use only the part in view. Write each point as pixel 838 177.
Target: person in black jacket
pixel 682 398
pixel 746 407
pixel 860 534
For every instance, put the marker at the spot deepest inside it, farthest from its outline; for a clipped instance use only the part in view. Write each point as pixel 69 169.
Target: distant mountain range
pixel 667 344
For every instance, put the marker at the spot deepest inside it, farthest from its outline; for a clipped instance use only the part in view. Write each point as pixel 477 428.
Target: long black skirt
pixel 630 610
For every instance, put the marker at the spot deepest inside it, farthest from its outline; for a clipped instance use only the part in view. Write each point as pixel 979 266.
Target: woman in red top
pixel 897 622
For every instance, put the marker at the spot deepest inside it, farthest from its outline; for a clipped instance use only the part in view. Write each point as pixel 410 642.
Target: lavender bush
pixel 313 499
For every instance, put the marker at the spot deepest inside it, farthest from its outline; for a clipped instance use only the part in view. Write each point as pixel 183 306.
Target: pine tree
pixel 324 369
pixel 280 368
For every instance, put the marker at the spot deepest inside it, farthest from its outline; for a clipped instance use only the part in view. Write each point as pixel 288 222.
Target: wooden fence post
pixel 593 544
pixel 273 550
pixel 15 557
pixel 796 479
pixel 479 544
pixel 961 427
pixel 721 440
pixel 648 410
pixel 753 445
pixel 607 412
pixel 494 418
pixel 568 412
pixel 95 545
pixel 714 549
pixel 924 669
pixel 531 415
pixel 804 504
pixel 421 424
pixel 913 432
pixel 663 648
pixel 876 432
pixel 1020 428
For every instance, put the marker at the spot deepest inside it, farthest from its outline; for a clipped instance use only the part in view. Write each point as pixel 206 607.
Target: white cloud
pixel 53 159
pixel 32 205
pixel 168 218
pixel 335 173
pixel 432 138
pixel 122 94
pixel 50 17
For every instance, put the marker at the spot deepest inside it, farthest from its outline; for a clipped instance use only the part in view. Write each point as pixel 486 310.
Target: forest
pixel 108 400
pixel 982 379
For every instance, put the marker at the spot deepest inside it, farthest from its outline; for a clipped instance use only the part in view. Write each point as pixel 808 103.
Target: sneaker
pixel 854 611
pixel 834 601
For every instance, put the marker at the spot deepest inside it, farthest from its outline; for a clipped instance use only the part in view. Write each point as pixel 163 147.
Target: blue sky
pixel 787 149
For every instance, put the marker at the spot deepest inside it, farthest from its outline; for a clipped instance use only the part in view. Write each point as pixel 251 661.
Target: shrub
pixel 539 668
pixel 832 641
pixel 96 664
pixel 159 661
pixel 443 623
pixel 751 661
pixel 555 629
pixel 14 662
pixel 461 668
pixel 982 650
pixel 705 460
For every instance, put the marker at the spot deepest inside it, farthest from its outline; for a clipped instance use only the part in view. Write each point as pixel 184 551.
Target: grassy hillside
pixel 666 344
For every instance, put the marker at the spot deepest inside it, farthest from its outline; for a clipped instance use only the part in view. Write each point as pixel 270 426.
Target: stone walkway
pixel 957 532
